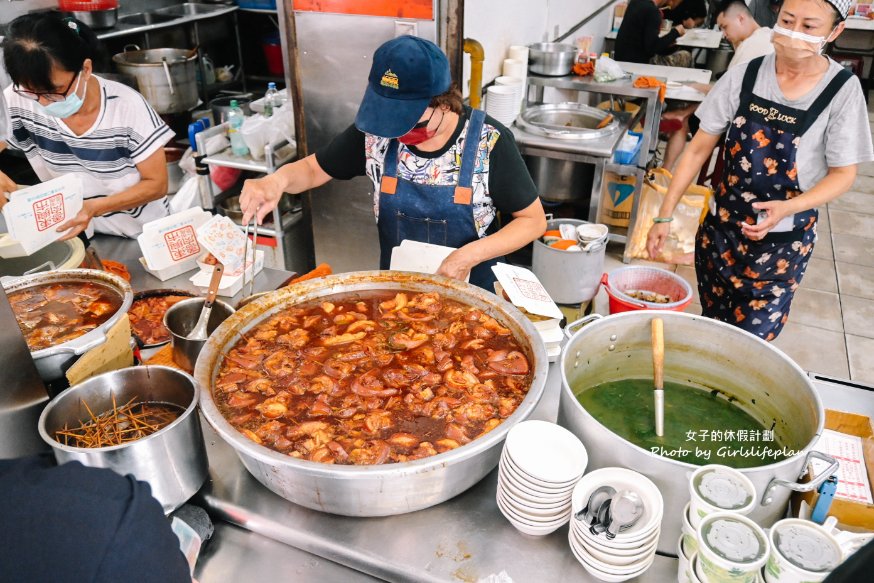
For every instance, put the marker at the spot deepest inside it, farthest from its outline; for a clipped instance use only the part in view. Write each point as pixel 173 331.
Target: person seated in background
pixel 765 11
pixel 689 13
pixel 749 41
pixel 638 39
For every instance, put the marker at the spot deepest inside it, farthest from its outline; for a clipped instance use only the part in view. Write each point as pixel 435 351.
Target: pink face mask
pixel 420 132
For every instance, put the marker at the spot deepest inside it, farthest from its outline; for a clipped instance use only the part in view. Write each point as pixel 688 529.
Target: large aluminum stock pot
pixel 52 362
pixel 379 490
pixel 711 355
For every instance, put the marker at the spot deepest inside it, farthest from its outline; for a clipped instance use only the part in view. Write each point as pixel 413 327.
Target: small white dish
pixel 611 557
pixel 545 494
pixel 528 500
pixel 603 542
pixel 609 577
pixel 534 481
pixel 547 451
pixel 535 514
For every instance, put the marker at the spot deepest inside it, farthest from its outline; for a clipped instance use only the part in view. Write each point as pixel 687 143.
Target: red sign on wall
pixel 418 9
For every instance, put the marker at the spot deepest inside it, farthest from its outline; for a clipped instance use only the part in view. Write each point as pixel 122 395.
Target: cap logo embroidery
pixel 389 79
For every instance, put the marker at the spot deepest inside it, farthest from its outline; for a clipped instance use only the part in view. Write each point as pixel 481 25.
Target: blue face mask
pixel 69 106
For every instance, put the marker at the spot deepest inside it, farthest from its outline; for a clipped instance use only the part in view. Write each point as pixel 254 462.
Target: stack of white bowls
pixel 631 552
pixel 517 84
pixel 540 465
pixel 502 103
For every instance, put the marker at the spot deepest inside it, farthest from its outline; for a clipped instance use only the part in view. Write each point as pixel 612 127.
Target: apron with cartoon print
pixel 442 215
pixel 747 283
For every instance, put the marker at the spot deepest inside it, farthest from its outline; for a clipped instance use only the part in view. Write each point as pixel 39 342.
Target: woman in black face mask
pixel 793 141
pixel 67 120
pixel 441 171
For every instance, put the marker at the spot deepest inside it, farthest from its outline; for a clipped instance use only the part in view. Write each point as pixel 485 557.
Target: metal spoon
pixel 596 498
pixel 603 519
pixel 626 508
pixel 199 330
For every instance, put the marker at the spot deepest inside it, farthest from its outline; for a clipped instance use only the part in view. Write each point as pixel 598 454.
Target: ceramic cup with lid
pixel 690 535
pixel 731 548
pixel 801 551
pixel 717 488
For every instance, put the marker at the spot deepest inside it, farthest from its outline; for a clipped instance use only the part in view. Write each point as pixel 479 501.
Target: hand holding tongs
pixel 246 254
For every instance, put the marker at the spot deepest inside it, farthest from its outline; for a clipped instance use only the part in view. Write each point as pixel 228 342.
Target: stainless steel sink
pixel 145 18
pixel 189 9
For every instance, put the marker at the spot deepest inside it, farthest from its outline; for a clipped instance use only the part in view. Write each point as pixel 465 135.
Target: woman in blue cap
pixel 431 183
pixel 796 126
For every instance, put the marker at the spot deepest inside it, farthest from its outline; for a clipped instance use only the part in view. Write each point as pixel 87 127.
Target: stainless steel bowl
pixel 553 59
pixel 369 490
pixel 180 318
pixel 172 460
pixel 53 362
pixel 97 19
pixel 567 121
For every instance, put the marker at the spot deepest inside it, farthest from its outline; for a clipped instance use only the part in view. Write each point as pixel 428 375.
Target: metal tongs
pixel 246 254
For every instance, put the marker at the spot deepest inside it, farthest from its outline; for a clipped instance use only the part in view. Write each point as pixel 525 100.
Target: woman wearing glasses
pixel 67 120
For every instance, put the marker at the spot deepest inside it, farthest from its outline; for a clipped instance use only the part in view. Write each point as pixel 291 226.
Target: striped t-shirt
pixel 127 131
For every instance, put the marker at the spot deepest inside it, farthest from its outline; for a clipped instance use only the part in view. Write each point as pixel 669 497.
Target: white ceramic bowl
pixel 545 494
pixel 533 480
pixel 531 519
pixel 539 514
pixel 526 527
pixel 603 542
pixel 609 576
pixel 546 451
pixel 624 479
pixel 623 553
pixel 525 499
pixel 591 232
pixel 611 557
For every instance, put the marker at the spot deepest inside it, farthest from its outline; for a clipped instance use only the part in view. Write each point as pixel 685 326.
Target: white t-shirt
pixel 757 44
pixel 127 131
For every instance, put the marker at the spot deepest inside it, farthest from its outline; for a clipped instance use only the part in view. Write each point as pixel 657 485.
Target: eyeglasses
pixel 49 96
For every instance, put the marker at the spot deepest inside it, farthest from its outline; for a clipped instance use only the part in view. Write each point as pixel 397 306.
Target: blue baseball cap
pixel 407 73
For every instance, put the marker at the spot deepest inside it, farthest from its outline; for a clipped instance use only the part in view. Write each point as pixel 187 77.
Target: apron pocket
pixel 424 230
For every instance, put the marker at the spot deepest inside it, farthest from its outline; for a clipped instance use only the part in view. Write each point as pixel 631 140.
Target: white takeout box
pixel 525 290
pixel 419 257
pixel 169 244
pixel 33 214
pixel 229 285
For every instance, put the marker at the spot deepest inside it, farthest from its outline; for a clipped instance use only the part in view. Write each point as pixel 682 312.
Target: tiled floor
pixel 831 325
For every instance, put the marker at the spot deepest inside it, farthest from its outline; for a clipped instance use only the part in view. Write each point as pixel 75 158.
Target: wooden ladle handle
pixel 658 353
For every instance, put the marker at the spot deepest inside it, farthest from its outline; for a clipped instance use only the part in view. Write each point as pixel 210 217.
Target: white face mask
pixel 798 43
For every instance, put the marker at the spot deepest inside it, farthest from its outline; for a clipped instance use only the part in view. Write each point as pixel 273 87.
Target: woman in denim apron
pixel 792 144
pixel 441 172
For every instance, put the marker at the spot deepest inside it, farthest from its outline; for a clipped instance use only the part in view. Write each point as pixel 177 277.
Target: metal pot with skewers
pixel 141 421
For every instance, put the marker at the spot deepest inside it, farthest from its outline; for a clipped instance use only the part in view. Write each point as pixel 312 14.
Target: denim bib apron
pixel 442 215
pixel 747 283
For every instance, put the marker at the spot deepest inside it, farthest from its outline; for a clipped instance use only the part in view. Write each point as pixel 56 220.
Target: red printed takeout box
pixel 33 215
pixel 170 246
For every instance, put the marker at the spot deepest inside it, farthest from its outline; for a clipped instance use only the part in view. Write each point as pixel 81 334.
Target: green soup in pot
pixel 701 427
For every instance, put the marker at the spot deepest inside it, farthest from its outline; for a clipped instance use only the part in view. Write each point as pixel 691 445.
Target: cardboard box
pixel 848 513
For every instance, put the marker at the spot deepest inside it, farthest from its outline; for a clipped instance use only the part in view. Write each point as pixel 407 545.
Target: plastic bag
pixel 606 70
pixel 679 247
pixel 258 131
pixel 188 196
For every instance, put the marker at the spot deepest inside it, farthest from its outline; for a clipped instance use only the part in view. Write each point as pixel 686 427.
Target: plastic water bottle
pixel 271 99
pixel 235 122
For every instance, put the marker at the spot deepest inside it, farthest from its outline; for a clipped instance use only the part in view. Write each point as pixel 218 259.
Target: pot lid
pixel 58 255
pixel 806 547
pixel 573 121
pixel 722 488
pixel 733 539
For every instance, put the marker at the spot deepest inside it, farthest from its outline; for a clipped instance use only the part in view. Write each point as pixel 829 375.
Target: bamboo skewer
pixel 119 425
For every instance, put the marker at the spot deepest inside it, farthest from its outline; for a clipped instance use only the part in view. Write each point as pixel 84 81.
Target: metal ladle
pixel 199 330
pixel 626 508
pixel 603 518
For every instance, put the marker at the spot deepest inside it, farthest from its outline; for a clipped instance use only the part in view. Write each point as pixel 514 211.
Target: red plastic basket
pixel 638 277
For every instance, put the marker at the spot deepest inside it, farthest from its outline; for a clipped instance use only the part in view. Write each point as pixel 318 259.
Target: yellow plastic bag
pixel 679 248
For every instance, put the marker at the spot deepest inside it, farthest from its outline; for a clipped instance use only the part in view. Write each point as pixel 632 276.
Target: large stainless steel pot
pixel 567 121
pixel 97 19
pixel 553 59
pixel 709 354
pixel 166 77
pixel 372 490
pixel 53 362
pixel 172 460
